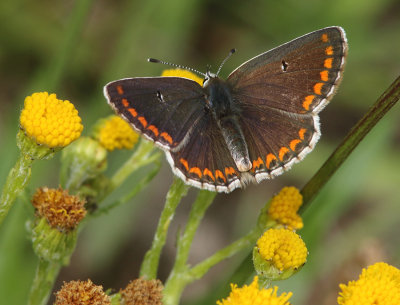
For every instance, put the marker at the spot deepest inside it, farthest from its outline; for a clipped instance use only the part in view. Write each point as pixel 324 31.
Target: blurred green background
pixel 73 48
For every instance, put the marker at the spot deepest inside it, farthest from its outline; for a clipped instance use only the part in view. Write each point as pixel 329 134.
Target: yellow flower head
pixel 62 211
pixel 141 291
pixel 253 295
pixel 82 293
pixel 116 133
pixel 378 284
pixel 279 253
pixel 50 121
pixel 284 206
pixel 182 73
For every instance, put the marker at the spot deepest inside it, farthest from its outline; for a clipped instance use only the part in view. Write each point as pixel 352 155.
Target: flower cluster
pixel 50 121
pixel 62 211
pixel 143 292
pixel 378 284
pixel 116 133
pixel 182 73
pixel 284 247
pixel 284 206
pixel 253 295
pixel 81 292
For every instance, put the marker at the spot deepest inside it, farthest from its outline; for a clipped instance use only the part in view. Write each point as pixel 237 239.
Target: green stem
pixel 179 276
pixel 385 102
pixel 141 157
pixel 138 187
pixel 151 260
pixel 243 243
pixel 17 180
pixel 46 274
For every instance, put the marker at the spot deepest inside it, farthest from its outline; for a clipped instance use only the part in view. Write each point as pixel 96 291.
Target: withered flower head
pixel 62 211
pixel 143 292
pixel 81 293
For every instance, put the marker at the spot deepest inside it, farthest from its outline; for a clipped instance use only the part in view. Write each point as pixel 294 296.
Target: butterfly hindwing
pixel 205 160
pixel 164 109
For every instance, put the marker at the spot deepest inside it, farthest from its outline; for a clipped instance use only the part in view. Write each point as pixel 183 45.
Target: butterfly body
pixel 250 127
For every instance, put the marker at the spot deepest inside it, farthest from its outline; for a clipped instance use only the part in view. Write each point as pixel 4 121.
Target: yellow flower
pixel 253 295
pixel 284 206
pixel 81 293
pixel 378 284
pixel 116 133
pixel 50 121
pixel 279 253
pixel 183 73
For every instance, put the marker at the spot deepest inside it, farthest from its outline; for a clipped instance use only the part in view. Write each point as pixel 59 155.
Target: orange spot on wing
pixel 184 163
pixel 154 129
pixel 328 63
pixel 219 174
pixel 207 172
pixel 329 50
pixel 282 152
pixel 257 163
pixel 125 102
pixel 302 131
pixel 196 170
pixel 167 137
pixel 269 159
pixel 324 75
pixel 230 171
pixel 120 90
pixel 324 37
pixel 294 143
pixel 143 121
pixel 132 111
pixel 307 101
pixel 317 88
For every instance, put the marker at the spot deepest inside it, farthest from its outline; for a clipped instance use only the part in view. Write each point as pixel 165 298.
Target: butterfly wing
pixel 205 160
pixel 163 109
pixel 280 94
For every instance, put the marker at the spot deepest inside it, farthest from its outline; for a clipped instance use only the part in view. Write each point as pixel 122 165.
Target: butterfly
pixel 250 127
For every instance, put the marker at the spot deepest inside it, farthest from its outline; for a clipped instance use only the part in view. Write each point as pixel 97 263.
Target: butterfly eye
pixel 285 65
pixel 160 97
pixel 206 79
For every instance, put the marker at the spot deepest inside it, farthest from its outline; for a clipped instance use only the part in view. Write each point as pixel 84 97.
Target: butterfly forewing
pixel 299 76
pixel 164 109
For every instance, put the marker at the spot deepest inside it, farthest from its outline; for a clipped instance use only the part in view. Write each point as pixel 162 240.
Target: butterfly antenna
pixel 175 65
pixel 226 58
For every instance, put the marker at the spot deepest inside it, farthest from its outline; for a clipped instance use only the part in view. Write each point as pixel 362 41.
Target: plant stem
pixel 385 102
pixel 151 260
pixel 17 180
pixel 245 242
pixel 141 157
pixel 45 276
pixel 179 276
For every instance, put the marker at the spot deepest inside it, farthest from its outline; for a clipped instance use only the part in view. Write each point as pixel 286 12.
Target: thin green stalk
pixel 151 260
pixel 385 102
pixel 141 157
pixel 179 276
pixel 138 187
pixel 17 180
pixel 46 274
pixel 243 243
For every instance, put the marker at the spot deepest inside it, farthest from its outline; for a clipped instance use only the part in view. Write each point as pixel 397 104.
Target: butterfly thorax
pixel 226 113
